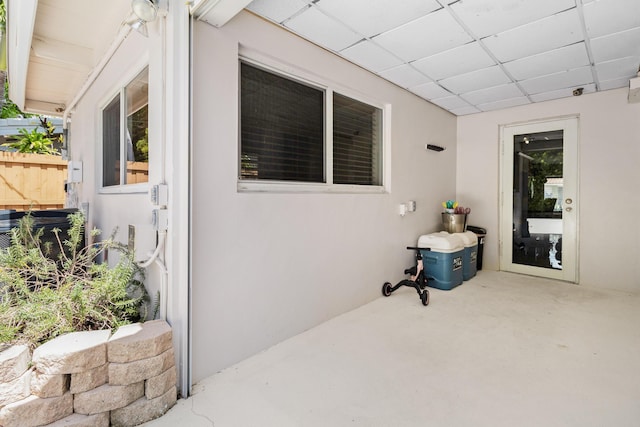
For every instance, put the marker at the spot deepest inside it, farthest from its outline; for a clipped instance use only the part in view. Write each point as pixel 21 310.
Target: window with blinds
pixel 356 142
pixel 282 128
pixel 283 133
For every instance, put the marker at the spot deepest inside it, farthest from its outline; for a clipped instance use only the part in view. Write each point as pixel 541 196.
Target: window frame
pixel 120 93
pixel 270 65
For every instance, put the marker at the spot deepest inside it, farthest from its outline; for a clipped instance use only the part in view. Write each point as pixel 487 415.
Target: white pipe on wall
pixel 97 70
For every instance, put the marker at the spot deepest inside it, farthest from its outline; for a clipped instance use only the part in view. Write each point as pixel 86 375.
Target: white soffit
pixel 486 77
pixel 277 10
pixel 430 91
pixel 578 76
pixel 323 30
pixel 451 103
pixel 614 84
pixel 371 56
pixel 465 111
pixel 492 94
pixel 564 58
pixel 372 17
pixel 405 76
pixel 459 60
pixel 546 34
pixel 604 17
pixel 561 93
pixel 424 36
pixel 618 68
pixel 487 17
pixel 493 53
pixel 217 12
pixel 504 103
pixel 617 45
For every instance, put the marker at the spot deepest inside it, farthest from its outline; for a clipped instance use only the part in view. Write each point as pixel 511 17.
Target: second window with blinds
pixel 285 137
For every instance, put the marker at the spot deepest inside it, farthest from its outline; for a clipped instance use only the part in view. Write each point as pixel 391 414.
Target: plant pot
pixel 454 223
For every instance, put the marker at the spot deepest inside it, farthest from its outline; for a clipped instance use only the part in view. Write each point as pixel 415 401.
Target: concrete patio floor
pixel 500 350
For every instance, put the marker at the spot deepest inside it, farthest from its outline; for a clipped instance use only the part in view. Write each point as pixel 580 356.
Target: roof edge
pixel 21 18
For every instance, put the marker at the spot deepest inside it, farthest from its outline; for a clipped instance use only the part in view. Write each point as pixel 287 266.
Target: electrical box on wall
pixel 74 171
pixel 159 195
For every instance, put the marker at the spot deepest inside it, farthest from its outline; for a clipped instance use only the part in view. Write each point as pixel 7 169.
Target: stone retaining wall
pixel 90 379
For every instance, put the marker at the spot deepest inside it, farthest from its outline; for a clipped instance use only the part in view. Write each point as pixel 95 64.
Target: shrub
pixel 43 296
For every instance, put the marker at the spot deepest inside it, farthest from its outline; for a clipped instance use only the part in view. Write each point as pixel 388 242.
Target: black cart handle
pixel 417 248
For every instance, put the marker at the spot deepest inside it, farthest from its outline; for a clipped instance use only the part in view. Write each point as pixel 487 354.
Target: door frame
pixel 570 254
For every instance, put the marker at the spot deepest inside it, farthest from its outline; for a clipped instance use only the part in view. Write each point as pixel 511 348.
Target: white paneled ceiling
pixel 469 56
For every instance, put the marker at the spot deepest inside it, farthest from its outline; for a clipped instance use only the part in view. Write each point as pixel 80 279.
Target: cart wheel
pixel 425 297
pixel 386 289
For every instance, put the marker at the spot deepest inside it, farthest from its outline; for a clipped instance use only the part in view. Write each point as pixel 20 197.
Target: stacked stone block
pixel 90 379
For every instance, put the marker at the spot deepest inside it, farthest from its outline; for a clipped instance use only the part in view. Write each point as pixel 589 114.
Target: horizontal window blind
pixel 356 142
pixel 282 128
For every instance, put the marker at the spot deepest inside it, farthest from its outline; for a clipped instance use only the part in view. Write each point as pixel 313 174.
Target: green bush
pixel 35 142
pixel 45 292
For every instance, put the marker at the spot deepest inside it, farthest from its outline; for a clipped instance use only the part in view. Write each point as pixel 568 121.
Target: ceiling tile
pixel 562 93
pixel 430 91
pixel 277 10
pixel 464 111
pixel 504 103
pixel 617 45
pixel 450 102
pixel 614 84
pixel 372 17
pixel 492 94
pixel 486 17
pixel 431 34
pixel 487 77
pixel 546 34
pixel 611 16
pixel 460 60
pixel 319 28
pixel 404 76
pixel 572 78
pixel 370 56
pixel 619 68
pixel 565 58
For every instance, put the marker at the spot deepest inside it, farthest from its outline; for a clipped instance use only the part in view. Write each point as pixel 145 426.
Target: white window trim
pixel 268 63
pixel 121 85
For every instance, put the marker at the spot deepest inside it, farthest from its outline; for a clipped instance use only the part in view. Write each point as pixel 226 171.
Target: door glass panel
pixel 538 199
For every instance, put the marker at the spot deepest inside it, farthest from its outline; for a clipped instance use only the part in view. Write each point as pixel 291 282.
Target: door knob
pixel 568 201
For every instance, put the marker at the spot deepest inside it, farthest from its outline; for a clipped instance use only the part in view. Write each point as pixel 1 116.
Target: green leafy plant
pixel 48 289
pixel 33 142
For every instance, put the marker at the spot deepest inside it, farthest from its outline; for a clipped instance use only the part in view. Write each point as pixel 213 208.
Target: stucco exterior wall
pixel 267 266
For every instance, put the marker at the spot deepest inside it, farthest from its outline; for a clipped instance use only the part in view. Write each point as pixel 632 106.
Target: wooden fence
pixel 31 181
